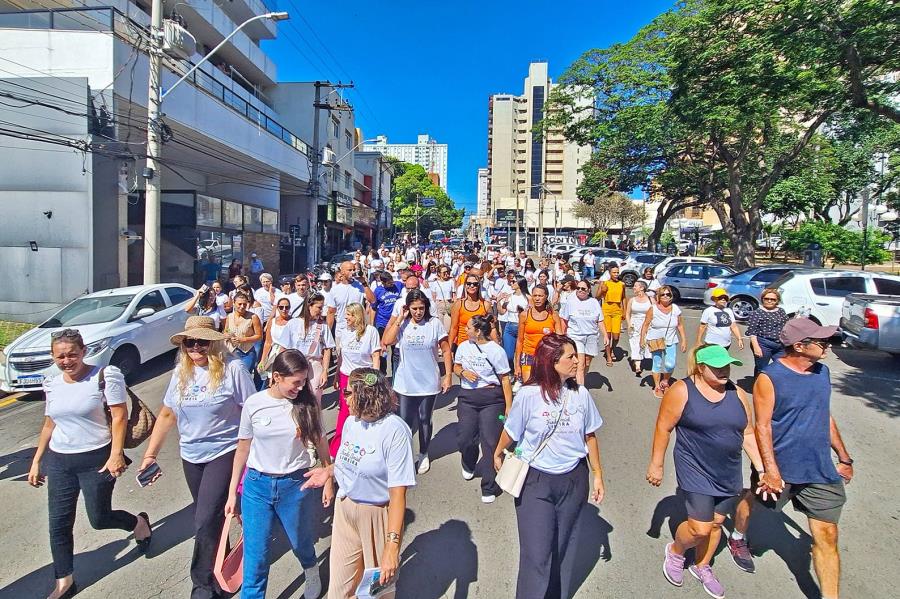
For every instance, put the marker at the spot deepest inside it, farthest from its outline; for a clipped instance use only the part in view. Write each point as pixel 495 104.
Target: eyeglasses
pixel 770 299
pixel 191 343
pixel 65 333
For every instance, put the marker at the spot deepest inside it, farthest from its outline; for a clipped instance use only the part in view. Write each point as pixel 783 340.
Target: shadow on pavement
pixel 444 442
pixel 590 545
pixel 595 380
pixel 671 508
pixel 437 559
pixel 16 465
pixel 877 393
pixel 153 368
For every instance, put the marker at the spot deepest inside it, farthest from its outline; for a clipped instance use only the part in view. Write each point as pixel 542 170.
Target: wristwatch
pixel 847 462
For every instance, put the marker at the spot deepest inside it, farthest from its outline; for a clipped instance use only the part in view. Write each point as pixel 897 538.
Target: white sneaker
pixel 467 475
pixel 488 498
pixel 313 583
pixel 424 463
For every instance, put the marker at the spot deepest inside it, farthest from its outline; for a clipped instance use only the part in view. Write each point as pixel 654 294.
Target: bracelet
pixel 847 462
pixel 393 537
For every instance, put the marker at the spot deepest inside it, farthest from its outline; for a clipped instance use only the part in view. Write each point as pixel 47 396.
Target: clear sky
pixel 429 67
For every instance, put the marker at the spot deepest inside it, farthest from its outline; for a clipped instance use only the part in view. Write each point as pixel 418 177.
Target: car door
pixel 685 279
pixel 763 279
pixel 175 314
pixel 151 336
pixel 828 296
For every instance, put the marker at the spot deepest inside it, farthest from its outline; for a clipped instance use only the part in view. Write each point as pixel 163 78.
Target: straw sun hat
pixel 198 327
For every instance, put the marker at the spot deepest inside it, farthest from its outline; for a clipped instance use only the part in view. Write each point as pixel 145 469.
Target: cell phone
pixel 204 288
pixel 146 476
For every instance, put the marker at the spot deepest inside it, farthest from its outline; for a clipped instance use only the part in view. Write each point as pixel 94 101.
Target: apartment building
pixel 483 182
pixel 426 152
pixel 532 179
pixel 72 174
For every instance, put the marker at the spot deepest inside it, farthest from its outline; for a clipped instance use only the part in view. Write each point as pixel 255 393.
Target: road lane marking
pixel 10 400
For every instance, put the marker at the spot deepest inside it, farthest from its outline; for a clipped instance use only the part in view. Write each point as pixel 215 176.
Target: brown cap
pixel 198 327
pixel 798 329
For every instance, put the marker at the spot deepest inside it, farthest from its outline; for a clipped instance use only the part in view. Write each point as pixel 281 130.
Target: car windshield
pixel 89 310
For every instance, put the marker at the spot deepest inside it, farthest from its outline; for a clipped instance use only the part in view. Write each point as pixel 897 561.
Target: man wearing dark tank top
pixel 796 434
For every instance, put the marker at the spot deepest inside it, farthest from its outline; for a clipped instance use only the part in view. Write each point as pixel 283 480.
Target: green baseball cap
pixel 716 356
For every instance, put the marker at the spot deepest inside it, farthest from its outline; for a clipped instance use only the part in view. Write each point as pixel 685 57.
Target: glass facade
pixel 537 144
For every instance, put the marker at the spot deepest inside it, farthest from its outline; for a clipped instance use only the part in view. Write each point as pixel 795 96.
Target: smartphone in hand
pixel 148 475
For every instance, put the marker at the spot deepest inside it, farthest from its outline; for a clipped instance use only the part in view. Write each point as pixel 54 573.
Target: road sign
pixel 427 202
pixel 295 231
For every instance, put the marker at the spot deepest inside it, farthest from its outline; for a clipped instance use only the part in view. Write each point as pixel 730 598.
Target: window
pixel 178 295
pixel 687 271
pixel 209 211
pixel 887 286
pixel 769 275
pixel 270 221
pixel 838 286
pixel 348 179
pixel 154 300
pixel 717 271
pixel 334 175
pixel 335 129
pixel 234 215
pixel 348 140
pixel 252 219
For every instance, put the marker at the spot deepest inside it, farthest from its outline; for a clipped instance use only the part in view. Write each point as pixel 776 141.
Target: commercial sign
pixel 427 202
pixel 507 216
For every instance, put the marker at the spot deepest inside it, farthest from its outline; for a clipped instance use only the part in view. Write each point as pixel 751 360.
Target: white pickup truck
pixel 872 321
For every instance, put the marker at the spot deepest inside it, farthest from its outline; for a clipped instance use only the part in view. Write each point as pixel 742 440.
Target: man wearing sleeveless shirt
pixel 796 435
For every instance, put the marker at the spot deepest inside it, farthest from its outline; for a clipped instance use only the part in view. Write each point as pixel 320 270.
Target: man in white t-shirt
pixel 265 295
pixel 342 295
pixel 412 255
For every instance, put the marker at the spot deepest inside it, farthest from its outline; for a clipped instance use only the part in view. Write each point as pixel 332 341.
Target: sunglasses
pixel 65 334
pixel 583 288
pixel 468 284
pixel 722 297
pixel 770 299
pixel 665 295
pixel 822 343
pixel 191 343
pixel 284 307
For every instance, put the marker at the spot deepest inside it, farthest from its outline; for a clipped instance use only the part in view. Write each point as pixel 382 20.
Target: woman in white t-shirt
pixel 373 469
pixel 663 328
pixel 279 440
pixel 84 453
pixel 223 302
pixel 583 318
pixel 203 400
pixel 442 293
pixel 273 333
pixel 553 422
pixel 417 380
pixel 360 348
pixel 485 395
pixel 509 310
pixel 310 334
pixel 718 324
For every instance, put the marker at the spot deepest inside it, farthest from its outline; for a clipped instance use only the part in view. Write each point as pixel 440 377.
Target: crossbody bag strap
pixel 546 439
pixel 491 364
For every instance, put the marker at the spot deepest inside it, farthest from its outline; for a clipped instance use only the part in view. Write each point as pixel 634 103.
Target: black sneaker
pixel 740 553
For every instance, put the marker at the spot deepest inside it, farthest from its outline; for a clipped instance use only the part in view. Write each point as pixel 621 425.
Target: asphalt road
pixel 457 547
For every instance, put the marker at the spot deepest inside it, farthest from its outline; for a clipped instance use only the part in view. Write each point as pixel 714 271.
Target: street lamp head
pixel 278 16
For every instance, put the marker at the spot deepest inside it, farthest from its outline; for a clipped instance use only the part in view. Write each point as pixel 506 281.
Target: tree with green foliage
pixel 839 245
pixel 409 185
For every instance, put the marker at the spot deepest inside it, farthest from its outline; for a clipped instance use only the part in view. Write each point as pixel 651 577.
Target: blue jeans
pixel 247 357
pixel 264 499
pixel 587 272
pixel 510 337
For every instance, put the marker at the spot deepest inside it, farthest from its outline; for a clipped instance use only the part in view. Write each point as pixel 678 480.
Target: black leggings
pixel 208 484
pixel 416 411
pixel 67 475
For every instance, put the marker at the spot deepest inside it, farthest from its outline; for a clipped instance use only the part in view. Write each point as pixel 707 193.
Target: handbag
pixel 660 344
pixel 141 419
pixel 511 476
pixel 228 567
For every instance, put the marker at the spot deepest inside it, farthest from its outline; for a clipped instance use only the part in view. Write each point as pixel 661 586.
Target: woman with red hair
pixel 553 421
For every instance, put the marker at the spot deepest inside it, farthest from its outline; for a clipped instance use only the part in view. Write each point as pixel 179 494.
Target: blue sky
pixel 429 67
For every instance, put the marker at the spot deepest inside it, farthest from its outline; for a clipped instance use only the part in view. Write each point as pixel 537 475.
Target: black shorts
pixel 702 508
pixel 819 501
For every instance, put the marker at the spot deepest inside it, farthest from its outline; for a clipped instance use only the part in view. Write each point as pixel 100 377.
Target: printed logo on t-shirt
pixel 351 454
pixel 414 339
pixel 194 394
pixel 547 330
pixel 723 319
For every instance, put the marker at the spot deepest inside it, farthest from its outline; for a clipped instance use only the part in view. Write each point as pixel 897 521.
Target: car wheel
pixel 629 278
pixel 126 359
pixel 742 307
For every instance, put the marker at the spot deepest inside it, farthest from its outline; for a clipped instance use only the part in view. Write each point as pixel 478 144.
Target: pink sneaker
pixel 673 567
pixel 711 584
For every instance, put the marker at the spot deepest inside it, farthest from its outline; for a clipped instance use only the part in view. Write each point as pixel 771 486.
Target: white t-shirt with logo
pixel 583 316
pixel 341 296
pixel 274 446
pixel 357 353
pixel 418 373
pixel 515 301
pixel 208 419
pixel 374 457
pixel 718 325
pixel 77 409
pixel 531 419
pixel 441 290
pixel 310 344
pixel 481 362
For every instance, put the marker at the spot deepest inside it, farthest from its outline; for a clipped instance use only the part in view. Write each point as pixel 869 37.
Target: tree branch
pixel 858 95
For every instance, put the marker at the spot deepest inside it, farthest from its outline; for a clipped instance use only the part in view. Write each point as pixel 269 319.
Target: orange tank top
pixel 615 292
pixel 462 332
pixel 534 331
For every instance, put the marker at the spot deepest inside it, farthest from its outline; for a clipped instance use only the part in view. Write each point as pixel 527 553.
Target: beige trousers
pixel 316 367
pixel 357 542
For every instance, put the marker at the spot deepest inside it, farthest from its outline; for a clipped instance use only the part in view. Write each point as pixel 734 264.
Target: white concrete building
pixel 231 164
pixel 525 171
pixel 483 182
pixel 426 152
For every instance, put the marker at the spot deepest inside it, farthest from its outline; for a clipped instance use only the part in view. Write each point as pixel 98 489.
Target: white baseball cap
pixel 324 277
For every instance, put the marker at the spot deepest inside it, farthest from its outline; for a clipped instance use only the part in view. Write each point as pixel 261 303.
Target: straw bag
pixel 660 344
pixel 511 476
pixel 140 418
pixel 229 565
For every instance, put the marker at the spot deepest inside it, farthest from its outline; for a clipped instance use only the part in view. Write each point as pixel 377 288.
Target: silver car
pixel 689 280
pixel 744 287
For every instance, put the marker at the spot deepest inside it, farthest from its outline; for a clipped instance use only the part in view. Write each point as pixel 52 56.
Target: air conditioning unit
pixel 178 41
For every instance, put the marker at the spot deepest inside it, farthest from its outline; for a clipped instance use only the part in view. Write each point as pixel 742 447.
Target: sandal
pixel 657 393
pixel 144 544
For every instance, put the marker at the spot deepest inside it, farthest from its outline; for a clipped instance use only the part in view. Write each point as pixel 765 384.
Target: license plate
pixel 30 381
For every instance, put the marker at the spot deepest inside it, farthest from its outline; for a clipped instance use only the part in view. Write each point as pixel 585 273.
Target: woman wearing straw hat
pixel 711 418
pixel 204 400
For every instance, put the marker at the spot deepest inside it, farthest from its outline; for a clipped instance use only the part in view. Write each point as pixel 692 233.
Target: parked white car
pixel 124 327
pixel 819 293
pixel 672 260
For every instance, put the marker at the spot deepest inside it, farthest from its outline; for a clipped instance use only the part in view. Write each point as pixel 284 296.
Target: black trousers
pixel 479 413
pixel 382 361
pixel 416 411
pixel 208 484
pixel 69 474
pixel 547 511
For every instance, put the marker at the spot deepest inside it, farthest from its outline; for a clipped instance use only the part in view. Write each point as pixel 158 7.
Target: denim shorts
pixel 664 360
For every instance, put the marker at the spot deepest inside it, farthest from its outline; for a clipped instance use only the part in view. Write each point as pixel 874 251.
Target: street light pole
pixel 155 96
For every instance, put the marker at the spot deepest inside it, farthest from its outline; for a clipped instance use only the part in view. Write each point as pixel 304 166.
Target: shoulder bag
pixel 660 344
pixel 511 476
pixel 228 567
pixel 140 418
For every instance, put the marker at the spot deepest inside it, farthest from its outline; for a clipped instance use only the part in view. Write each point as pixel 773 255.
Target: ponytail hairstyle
pixel 483 324
pixel 305 408
pixel 372 396
pixel 522 284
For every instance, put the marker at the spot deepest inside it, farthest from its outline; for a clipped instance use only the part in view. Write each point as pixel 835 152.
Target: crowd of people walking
pixel 246 400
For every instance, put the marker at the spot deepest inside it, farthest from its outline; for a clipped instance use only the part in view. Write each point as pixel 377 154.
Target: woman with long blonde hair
pixel 360 348
pixel 204 400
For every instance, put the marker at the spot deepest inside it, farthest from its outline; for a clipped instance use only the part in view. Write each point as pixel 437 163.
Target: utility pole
pixel 152 193
pixel 864 221
pixel 517 214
